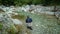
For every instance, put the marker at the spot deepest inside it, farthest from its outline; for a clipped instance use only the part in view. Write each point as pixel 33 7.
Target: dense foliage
pixel 24 2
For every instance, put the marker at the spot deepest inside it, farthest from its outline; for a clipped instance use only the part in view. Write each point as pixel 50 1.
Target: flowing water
pixel 14 22
pixel 43 24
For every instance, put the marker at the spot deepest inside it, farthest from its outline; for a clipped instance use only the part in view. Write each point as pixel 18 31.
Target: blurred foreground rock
pixel 9 25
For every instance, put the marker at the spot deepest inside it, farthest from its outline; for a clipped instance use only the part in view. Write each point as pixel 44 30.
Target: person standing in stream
pixel 29 23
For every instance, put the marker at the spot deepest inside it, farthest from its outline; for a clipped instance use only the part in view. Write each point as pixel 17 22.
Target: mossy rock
pixel 12 29
pixel 19 28
pixel 18 17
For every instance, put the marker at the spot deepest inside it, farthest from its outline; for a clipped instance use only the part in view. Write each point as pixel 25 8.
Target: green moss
pixel 18 17
pixel 1 25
